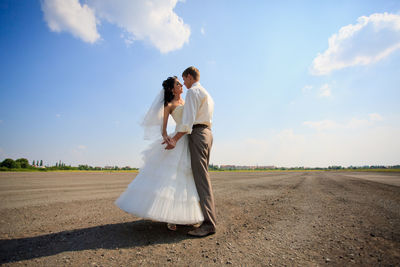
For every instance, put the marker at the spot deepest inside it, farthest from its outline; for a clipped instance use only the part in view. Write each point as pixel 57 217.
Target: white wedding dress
pixel 164 190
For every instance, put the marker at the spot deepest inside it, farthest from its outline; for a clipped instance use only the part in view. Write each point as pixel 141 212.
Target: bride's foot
pixel 171 226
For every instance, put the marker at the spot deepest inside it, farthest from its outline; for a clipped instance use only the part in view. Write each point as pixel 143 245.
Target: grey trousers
pixel 200 143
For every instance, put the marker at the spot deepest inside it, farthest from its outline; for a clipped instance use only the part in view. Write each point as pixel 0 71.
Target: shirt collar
pixel 195 84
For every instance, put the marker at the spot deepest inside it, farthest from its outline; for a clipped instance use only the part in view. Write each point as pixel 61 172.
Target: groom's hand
pixel 167 139
pixel 171 143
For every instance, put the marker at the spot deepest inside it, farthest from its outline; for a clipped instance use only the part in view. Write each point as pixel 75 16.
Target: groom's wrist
pixel 178 136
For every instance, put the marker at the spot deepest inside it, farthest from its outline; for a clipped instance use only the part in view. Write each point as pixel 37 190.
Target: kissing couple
pixel 174 186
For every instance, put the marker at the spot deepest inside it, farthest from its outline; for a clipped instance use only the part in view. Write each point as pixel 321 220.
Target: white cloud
pixel 306 89
pixel 375 145
pixel 370 40
pixel 322 125
pixel 325 91
pixel 281 148
pixel 202 31
pixel 79 153
pixel 58 115
pixel 375 117
pixel 81 147
pixel 152 21
pixel 353 123
pixel 72 17
pixel 128 39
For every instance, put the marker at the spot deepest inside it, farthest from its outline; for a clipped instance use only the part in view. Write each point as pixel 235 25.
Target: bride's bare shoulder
pixel 169 107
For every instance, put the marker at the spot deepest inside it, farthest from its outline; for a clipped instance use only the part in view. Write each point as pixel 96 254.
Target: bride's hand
pixel 171 144
pixel 167 139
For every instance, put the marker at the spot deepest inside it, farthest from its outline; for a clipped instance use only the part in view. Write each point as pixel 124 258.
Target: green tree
pixel 33 162
pixel 83 167
pixel 41 162
pixel 9 163
pixel 24 163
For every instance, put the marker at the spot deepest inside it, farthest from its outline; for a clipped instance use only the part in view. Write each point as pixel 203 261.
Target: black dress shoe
pixel 201 232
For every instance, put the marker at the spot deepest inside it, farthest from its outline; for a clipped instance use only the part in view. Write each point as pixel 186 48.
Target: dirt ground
pixel 264 219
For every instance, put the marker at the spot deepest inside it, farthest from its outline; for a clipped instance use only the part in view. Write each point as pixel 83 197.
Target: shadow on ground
pixel 110 236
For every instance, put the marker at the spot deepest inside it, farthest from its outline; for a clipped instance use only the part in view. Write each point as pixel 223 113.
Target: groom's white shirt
pixel 198 108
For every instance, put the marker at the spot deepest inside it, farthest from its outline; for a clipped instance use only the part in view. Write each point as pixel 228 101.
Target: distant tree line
pixel 8 163
pixel 334 167
pixel 22 164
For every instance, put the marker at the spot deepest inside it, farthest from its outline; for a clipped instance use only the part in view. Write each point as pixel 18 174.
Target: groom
pixel 196 121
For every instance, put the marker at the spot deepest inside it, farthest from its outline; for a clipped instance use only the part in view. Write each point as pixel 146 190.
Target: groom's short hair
pixel 192 71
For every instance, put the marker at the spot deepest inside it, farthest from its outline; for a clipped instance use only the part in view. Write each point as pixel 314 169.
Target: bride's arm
pixel 165 122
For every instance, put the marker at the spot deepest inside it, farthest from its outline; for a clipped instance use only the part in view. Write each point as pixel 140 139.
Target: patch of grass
pixel 22 170
pixel 49 170
pixel 339 170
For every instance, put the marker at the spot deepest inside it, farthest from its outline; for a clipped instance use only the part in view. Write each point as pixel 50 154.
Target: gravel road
pixel 264 219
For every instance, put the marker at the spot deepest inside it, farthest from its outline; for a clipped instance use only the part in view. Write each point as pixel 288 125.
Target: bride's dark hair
pixel 168 85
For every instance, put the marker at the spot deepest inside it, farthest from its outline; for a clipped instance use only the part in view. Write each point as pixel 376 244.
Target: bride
pixel 164 190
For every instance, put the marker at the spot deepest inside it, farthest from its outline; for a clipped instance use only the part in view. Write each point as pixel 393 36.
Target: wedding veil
pixel 153 120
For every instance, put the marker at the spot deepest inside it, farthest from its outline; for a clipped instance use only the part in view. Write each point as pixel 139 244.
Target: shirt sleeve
pixel 189 112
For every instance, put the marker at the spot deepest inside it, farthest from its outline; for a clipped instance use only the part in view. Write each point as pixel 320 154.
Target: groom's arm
pixel 190 109
pixel 172 142
pixel 189 115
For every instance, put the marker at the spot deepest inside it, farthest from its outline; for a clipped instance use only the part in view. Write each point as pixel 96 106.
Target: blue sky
pixel 296 83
